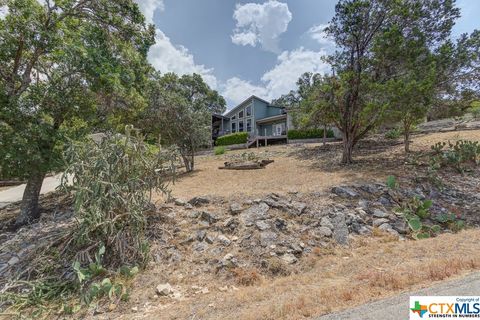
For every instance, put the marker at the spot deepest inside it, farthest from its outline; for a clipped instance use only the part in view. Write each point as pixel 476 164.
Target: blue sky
pixel 250 47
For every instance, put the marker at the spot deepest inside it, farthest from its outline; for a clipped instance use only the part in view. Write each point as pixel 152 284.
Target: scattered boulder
pixel 377 213
pixel 199 201
pixel 200 235
pixel 224 240
pixel 180 202
pixel 340 231
pixel 379 222
pixel 345 192
pixel 208 217
pixel 255 212
pixel 267 238
pixel 289 258
pixel 262 225
pixel 326 222
pixel 298 207
pixel 235 208
pixel 164 289
pixel 324 232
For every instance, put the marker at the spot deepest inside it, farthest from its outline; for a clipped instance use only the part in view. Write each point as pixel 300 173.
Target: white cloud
pixel 279 80
pixel 237 90
pixel 148 8
pixel 261 23
pixel 318 34
pixel 166 57
pixel 3 12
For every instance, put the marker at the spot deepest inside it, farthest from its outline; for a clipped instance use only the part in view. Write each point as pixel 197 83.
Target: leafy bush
pixel 308 134
pixel 219 150
pixel 112 185
pixel 393 134
pixel 234 138
pixel 475 110
pixel 459 155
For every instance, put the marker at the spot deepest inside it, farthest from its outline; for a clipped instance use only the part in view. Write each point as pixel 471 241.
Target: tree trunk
pixel 324 135
pixel 406 136
pixel 347 149
pixel 29 207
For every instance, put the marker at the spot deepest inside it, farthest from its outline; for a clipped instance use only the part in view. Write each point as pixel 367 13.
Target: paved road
pixel 397 307
pixel 15 194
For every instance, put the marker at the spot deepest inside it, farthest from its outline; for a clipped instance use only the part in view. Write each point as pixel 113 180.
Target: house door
pixel 278 129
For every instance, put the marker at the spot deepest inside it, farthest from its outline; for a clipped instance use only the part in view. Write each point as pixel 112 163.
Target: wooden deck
pixel 258 140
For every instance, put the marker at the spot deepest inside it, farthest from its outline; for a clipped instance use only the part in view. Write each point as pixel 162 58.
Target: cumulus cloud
pixel 280 79
pixel 318 34
pixel 148 8
pixel 166 57
pixel 261 24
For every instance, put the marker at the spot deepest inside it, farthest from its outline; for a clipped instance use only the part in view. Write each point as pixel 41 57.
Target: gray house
pixel 257 117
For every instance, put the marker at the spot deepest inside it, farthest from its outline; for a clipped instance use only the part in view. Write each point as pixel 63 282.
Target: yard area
pixel 305 168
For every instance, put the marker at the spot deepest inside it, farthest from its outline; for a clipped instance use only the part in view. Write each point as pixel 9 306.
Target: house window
pixel 240 126
pixel 240 114
pixel 249 125
pixel 234 127
pixel 248 111
pixel 233 118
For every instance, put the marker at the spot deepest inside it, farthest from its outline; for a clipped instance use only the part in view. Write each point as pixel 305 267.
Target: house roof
pixel 273 118
pixel 227 114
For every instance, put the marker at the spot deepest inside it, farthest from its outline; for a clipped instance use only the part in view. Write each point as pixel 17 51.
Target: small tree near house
pixel 179 113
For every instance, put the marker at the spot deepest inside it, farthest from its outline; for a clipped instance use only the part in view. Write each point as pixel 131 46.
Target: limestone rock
pixel 164 289
pixel 199 201
pixel 345 192
pixel 235 208
pixel 289 258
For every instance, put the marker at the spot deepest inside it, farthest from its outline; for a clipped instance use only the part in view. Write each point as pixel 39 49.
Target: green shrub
pixel 461 155
pixel 476 112
pixel 393 134
pixel 219 150
pixel 234 138
pixel 308 134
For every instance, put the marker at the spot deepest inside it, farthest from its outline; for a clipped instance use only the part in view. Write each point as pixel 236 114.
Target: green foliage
pixel 392 182
pixel 414 212
pixel 179 113
pixel 71 66
pixel 233 138
pixel 308 134
pixel 112 185
pixel 393 134
pixel 219 150
pixel 461 155
pixel 422 225
pixel 475 110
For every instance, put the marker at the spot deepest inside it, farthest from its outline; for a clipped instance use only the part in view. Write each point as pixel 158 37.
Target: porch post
pixel 265 131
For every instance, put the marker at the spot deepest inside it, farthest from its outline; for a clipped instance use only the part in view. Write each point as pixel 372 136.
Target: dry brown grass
pixel 370 269
pixel 302 168
pixel 246 277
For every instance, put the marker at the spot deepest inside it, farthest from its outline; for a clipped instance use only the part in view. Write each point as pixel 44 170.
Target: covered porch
pixel 274 126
